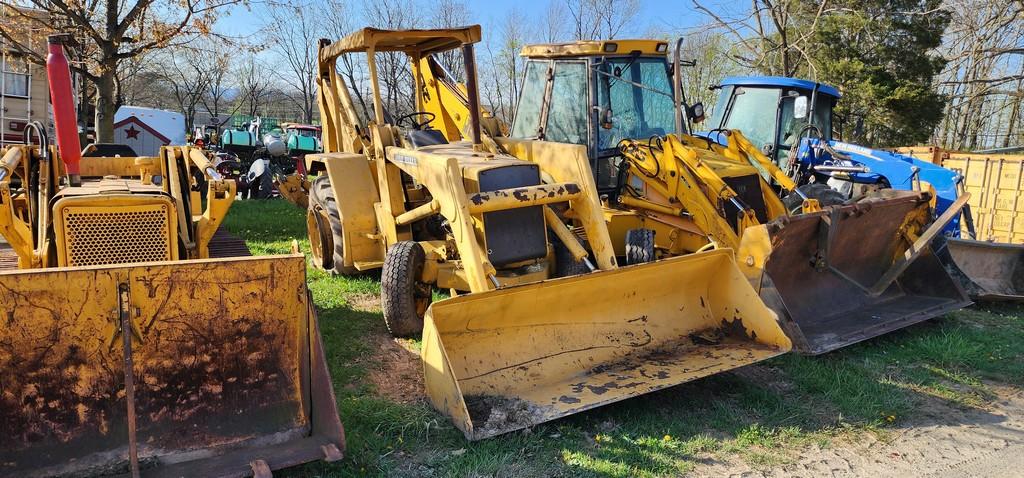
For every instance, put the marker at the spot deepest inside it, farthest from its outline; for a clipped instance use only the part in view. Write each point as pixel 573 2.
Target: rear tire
pixel 565 264
pixel 825 195
pixel 404 298
pixel 263 186
pixel 323 224
pixel 639 246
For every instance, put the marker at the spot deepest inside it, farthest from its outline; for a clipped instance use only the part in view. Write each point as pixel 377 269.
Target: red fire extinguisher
pixel 62 97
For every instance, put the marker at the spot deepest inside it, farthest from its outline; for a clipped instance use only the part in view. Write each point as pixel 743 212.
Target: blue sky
pixel 651 17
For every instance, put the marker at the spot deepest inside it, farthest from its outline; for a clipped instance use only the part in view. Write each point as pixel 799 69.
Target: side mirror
pixel 696 112
pixel 800 107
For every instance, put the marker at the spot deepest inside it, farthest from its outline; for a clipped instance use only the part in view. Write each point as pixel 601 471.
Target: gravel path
pixel 947 442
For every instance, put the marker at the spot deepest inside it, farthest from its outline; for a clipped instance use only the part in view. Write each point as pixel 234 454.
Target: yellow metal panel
pixel 995 183
pixel 596 47
pixel 511 358
pixel 123 167
pixel 355 191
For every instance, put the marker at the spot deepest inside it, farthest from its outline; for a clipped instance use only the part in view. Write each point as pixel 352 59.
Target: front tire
pixel 639 246
pixel 404 298
pixel 825 195
pixel 323 224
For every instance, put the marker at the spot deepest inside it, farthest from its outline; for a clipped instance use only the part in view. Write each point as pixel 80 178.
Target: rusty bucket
pixel 826 274
pixel 987 270
pixel 193 368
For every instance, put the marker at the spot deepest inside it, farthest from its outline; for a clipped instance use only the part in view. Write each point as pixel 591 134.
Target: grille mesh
pixel 116 236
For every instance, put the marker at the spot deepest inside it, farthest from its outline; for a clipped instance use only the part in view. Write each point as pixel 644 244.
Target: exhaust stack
pixel 58 72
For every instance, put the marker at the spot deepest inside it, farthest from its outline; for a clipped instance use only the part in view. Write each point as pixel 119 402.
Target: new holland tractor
pixel 540 323
pixel 791 121
pixel 834 275
pixel 137 338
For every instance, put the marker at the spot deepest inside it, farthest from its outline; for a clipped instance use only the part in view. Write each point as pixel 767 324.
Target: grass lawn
pixel 756 414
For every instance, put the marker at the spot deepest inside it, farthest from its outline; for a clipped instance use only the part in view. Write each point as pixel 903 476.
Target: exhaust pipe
pixel 58 72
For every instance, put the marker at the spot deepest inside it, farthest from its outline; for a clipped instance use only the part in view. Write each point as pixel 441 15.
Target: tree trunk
pixel 105 106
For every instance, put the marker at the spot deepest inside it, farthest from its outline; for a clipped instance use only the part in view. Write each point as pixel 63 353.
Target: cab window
pixel 567 113
pixel 527 119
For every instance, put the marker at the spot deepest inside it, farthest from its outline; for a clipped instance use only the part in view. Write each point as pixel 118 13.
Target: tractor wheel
pixel 565 264
pixel 263 186
pixel 639 246
pixel 825 195
pixel 404 298
pixel 323 223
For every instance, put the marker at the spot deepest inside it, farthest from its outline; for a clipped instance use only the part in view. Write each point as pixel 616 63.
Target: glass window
pixel 16 78
pixel 527 120
pixel 719 109
pixel 635 97
pixel 753 113
pixel 567 114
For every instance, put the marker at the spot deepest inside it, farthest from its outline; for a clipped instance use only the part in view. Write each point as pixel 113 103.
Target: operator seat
pixel 419 138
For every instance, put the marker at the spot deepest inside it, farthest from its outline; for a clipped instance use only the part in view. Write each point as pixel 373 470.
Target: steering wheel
pixel 414 125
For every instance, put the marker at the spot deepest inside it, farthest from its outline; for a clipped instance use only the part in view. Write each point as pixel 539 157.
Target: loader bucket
pixel 226 377
pixel 987 270
pixel 826 304
pixel 508 359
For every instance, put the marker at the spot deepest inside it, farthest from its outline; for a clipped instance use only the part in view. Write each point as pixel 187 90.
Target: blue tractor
pixel 791 120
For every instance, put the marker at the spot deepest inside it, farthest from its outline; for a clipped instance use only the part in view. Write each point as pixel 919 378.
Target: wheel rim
pixel 319 239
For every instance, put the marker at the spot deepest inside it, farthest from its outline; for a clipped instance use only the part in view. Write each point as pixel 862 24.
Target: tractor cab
pixel 596 93
pixel 773 111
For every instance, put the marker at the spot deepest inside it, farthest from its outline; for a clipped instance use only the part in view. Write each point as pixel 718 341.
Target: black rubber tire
pixel 404 299
pixel 263 186
pixel 825 195
pixel 639 246
pixel 331 257
pixel 565 264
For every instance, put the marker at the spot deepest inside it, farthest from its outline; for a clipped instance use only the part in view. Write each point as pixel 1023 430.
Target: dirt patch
pixel 947 441
pixel 396 370
pixel 364 302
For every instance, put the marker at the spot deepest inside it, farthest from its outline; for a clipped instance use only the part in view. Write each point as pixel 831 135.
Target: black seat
pixel 419 138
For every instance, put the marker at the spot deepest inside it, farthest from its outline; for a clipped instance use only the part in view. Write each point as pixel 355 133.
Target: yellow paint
pixel 528 343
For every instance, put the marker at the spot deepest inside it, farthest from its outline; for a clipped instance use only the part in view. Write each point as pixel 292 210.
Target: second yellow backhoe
pixel 835 273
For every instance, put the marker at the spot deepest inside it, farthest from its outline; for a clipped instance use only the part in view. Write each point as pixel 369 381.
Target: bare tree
pixel 601 19
pixel 294 34
pixel 984 75
pixel 393 69
pixel 766 36
pixel 504 66
pixel 112 31
pixel 187 79
pixel 253 85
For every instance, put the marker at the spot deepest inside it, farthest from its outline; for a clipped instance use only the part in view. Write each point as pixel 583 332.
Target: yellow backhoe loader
pixel 511 348
pixel 835 276
pixel 133 343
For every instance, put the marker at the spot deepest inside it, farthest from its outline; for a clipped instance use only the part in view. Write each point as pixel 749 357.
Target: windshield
pixel 753 113
pixel 635 100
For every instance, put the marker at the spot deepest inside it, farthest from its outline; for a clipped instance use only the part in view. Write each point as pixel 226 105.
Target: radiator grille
pixel 95 236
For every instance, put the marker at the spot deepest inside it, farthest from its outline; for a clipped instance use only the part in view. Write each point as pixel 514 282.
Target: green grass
pixel 759 415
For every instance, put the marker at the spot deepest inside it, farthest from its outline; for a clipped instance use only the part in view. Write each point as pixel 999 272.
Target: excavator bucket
pixel 511 358
pixel 194 368
pixel 987 270
pixel 835 278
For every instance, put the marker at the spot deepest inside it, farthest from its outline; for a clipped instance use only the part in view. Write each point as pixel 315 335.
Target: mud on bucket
pixel 508 359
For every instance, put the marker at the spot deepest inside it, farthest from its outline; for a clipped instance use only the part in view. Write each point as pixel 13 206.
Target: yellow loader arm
pixel 741 148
